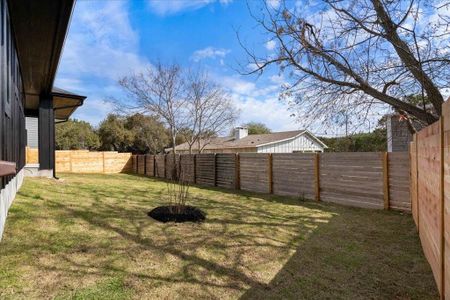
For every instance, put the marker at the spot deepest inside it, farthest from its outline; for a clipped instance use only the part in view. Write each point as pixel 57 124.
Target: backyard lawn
pixel 89 237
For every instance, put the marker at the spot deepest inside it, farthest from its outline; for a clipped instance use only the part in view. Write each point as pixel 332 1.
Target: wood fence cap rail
pixel 7 168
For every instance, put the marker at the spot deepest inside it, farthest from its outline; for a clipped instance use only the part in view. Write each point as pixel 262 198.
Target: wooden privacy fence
pixel 430 196
pixel 85 161
pixel 371 180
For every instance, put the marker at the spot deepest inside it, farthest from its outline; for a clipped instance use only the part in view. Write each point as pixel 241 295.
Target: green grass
pixel 88 237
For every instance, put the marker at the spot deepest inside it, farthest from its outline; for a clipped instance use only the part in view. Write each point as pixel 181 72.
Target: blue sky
pixel 110 39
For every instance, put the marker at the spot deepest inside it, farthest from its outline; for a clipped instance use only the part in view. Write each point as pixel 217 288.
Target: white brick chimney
pixel 240 132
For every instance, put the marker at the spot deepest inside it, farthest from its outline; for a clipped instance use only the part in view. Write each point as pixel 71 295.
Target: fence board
pixel 293 174
pixel 413 181
pixel 141 164
pixel 172 165
pixel 87 162
pixel 226 170
pixel 352 178
pixel 254 172
pixel 62 161
pixel 160 167
pixel 114 162
pixel 429 181
pixel 150 165
pixel 187 167
pixel 446 196
pixel 205 169
pixel 32 155
pixel 399 185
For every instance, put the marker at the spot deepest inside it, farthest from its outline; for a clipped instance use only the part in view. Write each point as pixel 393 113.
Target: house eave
pixel 39 38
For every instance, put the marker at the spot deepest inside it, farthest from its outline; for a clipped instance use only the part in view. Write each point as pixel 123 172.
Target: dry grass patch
pixel 89 237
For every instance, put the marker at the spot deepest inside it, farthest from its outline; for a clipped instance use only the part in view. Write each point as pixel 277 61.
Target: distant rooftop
pixel 250 141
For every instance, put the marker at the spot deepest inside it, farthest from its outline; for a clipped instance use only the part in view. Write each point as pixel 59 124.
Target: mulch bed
pixel 170 214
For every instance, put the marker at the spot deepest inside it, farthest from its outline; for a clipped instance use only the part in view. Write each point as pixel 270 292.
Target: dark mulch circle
pixel 168 214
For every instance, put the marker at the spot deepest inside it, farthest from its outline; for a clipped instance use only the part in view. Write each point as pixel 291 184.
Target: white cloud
pixel 209 52
pixel 100 48
pixel 101 42
pixel 270 45
pixel 278 79
pixel 171 7
pixel 93 110
pixel 259 102
pixel 273 3
pixel 239 86
pixel 269 111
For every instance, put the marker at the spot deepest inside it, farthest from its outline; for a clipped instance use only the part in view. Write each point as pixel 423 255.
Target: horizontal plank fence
pixel 293 174
pixel 226 170
pixel 85 161
pixel 430 195
pixel 371 180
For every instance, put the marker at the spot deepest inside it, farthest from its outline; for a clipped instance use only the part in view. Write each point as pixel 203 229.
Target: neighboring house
pixel 398 134
pixel 277 142
pixel 32 37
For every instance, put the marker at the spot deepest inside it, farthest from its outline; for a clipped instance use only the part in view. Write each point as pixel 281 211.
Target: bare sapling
pixel 177 190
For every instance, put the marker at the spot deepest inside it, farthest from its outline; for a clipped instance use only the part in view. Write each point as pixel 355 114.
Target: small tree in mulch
pixel 177 209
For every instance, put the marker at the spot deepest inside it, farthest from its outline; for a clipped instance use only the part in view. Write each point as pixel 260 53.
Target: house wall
pixel 398 134
pixel 12 117
pixel 229 150
pixel 7 195
pixel 31 125
pixel 303 143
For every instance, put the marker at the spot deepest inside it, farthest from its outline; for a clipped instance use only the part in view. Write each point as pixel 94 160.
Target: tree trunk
pixel 174 154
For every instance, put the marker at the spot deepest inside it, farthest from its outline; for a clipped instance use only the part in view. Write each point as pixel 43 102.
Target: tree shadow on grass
pixel 331 251
pixel 104 216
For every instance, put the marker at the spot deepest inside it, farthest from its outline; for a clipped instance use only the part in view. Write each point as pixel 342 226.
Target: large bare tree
pixel 211 110
pixel 351 56
pixel 186 100
pixel 160 91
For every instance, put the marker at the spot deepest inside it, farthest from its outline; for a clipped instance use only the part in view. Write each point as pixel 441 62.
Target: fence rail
pixel 372 180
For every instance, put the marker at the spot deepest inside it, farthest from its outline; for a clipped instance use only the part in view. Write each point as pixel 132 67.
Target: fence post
pixel 237 172
pixel 195 168
pixel 145 164
pixel 215 169
pixel 179 168
pixel 417 182
pixel 270 173
pixel 154 165
pixel 317 175
pixel 165 166
pixel 385 161
pixel 442 170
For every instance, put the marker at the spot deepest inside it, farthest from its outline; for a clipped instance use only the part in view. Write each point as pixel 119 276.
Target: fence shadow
pixel 355 256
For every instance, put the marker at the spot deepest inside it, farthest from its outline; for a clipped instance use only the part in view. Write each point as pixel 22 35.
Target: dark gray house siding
pixel 12 121
pixel 31 40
